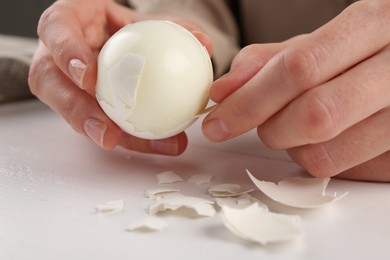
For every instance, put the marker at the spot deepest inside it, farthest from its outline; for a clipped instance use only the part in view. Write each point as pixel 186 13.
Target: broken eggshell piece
pixel 153 79
pixel 255 224
pixel 240 202
pixel 168 177
pixel 298 192
pixel 161 193
pixel 201 178
pixel 227 190
pixel 202 207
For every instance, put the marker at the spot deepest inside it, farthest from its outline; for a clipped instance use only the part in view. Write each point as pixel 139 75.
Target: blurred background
pixel 18 33
pixel 20 17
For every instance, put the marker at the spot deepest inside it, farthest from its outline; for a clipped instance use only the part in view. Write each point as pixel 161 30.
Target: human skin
pixel 324 97
pixel 64 69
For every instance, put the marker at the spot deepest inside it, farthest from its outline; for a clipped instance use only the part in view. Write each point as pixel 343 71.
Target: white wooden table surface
pixel 51 180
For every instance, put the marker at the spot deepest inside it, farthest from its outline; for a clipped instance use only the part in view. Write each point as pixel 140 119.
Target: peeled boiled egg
pixel 153 79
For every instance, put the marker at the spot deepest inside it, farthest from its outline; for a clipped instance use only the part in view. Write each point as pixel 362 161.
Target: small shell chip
pixel 240 202
pixel 202 178
pixel 168 177
pixel 111 206
pixel 201 206
pixel 160 192
pixel 147 225
pixel 227 190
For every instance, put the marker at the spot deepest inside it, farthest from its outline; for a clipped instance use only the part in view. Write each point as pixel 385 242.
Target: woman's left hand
pixel 324 97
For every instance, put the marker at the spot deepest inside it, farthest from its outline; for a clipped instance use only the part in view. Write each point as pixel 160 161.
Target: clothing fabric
pixel 214 16
pixel 258 21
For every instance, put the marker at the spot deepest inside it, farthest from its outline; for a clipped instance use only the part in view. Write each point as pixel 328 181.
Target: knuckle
pixel 249 49
pixel 61 47
pixel 253 51
pixel 377 10
pixel 302 65
pixel 69 110
pixel 58 41
pixel 46 18
pixel 317 161
pixel 369 8
pixel 246 109
pixel 67 103
pixel 244 53
pixel 319 118
pixel 38 69
pixel 32 77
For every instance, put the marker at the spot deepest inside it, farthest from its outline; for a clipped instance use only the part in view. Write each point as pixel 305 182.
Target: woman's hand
pixel 64 69
pixel 324 97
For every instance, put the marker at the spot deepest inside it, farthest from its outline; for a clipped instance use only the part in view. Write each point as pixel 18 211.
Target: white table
pixel 51 179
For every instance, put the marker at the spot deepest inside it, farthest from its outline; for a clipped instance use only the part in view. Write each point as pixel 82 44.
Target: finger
pixel 173 146
pixel 244 66
pixel 322 55
pixel 377 169
pixel 205 40
pixel 77 107
pixel 62 31
pixel 358 144
pixel 249 61
pixel 83 113
pixel 119 16
pixel 327 110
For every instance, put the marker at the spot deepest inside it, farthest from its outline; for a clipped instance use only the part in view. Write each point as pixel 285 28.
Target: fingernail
pixel 95 130
pixel 216 130
pixel 167 146
pixel 77 70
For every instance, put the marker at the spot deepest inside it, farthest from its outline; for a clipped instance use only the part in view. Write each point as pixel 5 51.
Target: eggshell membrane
pixel 172 88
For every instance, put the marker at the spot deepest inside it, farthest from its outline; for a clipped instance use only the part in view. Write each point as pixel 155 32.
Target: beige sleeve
pixel 213 16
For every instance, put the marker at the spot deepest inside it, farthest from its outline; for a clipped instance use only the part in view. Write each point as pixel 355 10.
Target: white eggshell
pixel 153 78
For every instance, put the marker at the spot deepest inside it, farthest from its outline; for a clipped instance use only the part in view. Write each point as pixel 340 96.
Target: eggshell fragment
pixel 161 192
pixel 240 202
pixel 148 224
pixel 201 206
pixel 168 177
pixel 201 178
pixel 227 190
pixel 255 224
pixel 298 192
pixel 113 206
pixel 153 78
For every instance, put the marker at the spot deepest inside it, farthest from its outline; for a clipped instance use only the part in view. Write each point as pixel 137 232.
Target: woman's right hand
pixel 64 69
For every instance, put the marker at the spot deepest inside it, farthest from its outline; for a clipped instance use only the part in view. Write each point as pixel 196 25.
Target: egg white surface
pixel 153 79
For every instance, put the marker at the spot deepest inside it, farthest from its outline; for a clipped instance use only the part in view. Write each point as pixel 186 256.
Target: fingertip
pixel 182 143
pixel 205 40
pixel 104 134
pixel 215 129
pixel 172 146
pixel 112 137
pixel 218 90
